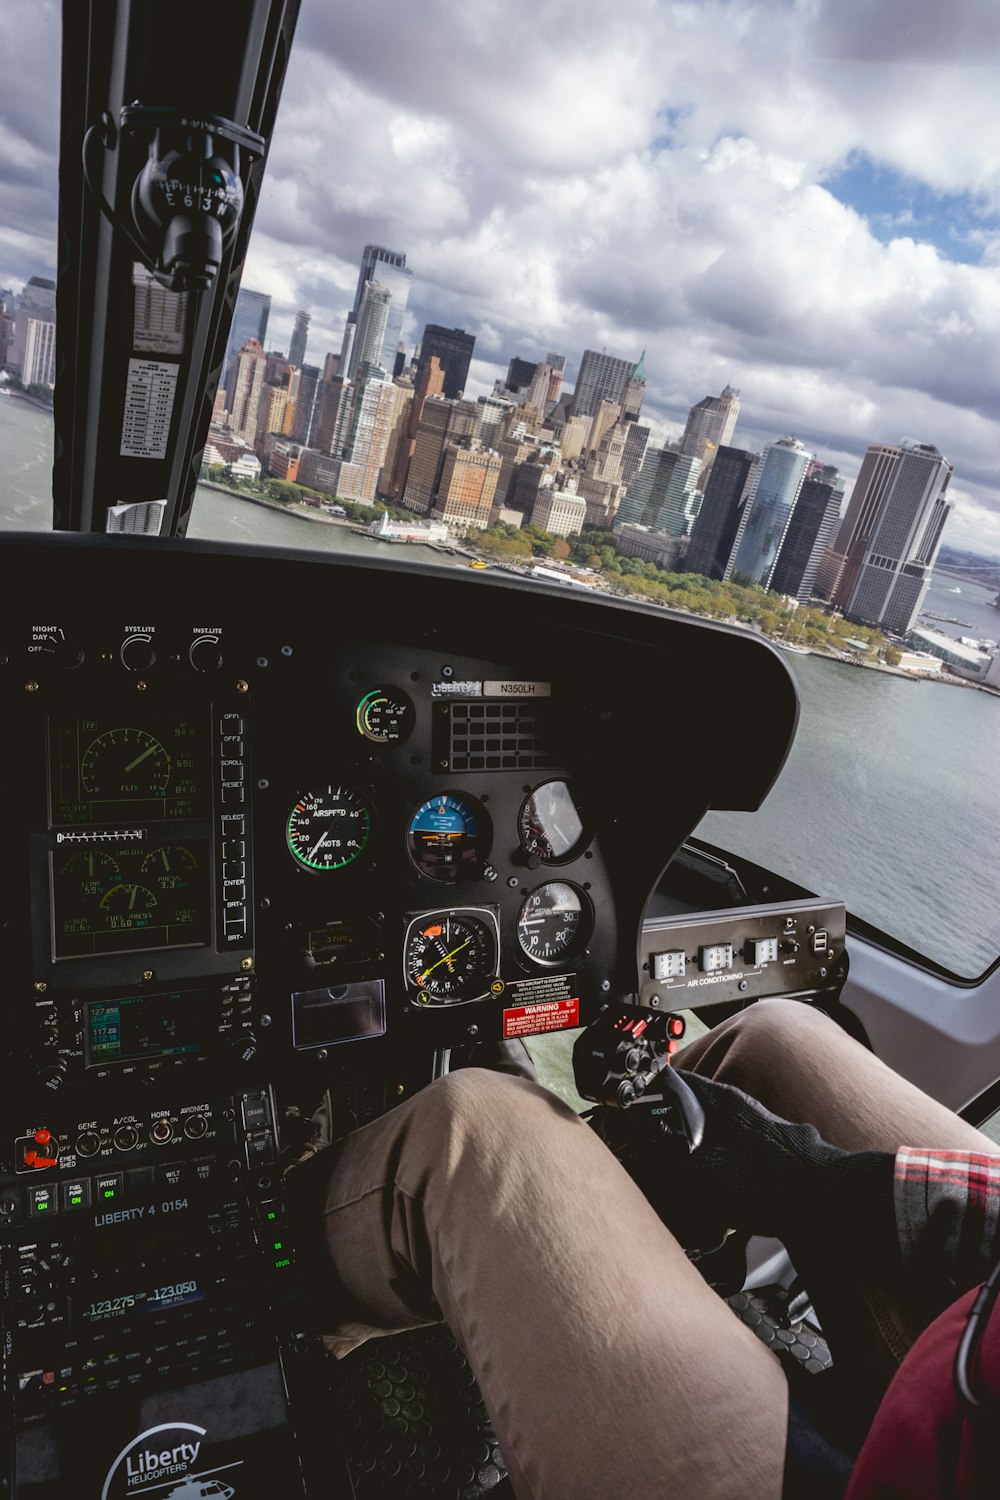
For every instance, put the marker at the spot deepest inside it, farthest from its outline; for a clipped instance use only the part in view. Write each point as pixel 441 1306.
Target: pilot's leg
pixel 804 1067
pixel 607 1364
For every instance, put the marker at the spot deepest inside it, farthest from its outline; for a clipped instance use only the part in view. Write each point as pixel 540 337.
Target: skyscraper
pixel 895 572
pixel 602 377
pixel 249 322
pixel 841 563
pixel 305 404
pixel 369 336
pixel 36 304
pixel 452 348
pixel 773 492
pixel 812 524
pixel 714 531
pixel 388 268
pixel 711 424
pixel 300 335
pixel 247 385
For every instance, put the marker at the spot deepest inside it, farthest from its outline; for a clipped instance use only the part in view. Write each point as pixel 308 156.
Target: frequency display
pixel 146 1026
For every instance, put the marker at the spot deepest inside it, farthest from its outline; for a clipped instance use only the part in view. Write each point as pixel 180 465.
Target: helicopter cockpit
pixel 281 823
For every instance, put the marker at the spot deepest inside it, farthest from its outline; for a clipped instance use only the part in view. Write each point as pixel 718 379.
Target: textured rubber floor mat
pixel 765 1312
pixel 414 1423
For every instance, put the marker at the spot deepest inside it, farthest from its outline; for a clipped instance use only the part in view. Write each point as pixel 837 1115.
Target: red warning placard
pixel 550 1015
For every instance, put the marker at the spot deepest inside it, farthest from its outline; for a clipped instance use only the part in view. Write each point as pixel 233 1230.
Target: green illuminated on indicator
pixel 109 1192
pixel 272 1214
pixel 278 1245
pixel 76 1198
pixel 279 1264
pixel 41 1207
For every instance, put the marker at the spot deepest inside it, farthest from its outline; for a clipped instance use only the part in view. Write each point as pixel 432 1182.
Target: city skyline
pixel 828 244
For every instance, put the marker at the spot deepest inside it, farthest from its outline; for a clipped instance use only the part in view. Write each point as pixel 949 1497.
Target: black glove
pixel 757 1173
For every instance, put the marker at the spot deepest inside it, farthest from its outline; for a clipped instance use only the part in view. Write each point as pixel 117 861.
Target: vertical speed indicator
pixel 329 829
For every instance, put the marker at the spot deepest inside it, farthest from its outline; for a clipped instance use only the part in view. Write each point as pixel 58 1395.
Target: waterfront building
pixel 430 383
pixel 895 571
pixel 452 348
pixel 559 511
pixel 300 336
pixel 771 495
pixel 389 269
pixel 649 546
pixel 810 529
pixel 602 377
pixel 36 303
pixel 440 421
pixel 840 565
pixel 715 527
pixel 249 322
pixel 248 382
pixel 467 486
pixel 39 366
pixel 963 661
pixel 409 531
pixel 6 325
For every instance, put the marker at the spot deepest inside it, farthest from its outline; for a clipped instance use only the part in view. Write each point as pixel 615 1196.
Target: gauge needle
pixel 315 846
pixel 140 758
pixel 446 958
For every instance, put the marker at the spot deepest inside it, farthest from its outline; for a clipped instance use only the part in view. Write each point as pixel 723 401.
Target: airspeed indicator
pixel 329 828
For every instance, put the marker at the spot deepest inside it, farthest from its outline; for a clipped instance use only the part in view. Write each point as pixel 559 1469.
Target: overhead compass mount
pixel 187 200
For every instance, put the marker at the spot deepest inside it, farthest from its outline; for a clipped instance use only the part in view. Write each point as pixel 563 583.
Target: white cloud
pixel 564 176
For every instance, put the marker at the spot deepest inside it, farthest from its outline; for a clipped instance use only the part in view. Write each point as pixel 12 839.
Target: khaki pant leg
pixel 607 1364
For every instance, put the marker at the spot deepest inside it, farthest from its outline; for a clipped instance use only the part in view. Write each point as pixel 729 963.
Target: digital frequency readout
pixel 126 898
pixel 145 1026
pixel 145 770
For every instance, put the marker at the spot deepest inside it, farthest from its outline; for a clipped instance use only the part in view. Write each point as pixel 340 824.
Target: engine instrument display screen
pixel 130 897
pixel 146 1026
pixel 143 770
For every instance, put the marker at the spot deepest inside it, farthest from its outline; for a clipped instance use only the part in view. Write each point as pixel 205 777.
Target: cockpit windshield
pixel 698 305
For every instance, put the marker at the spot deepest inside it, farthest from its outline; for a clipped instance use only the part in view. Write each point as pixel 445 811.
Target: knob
pixel 61 652
pixel 205 654
pixel 52 1075
pixel 526 858
pixel 161 1132
pixel 88 1144
pixel 244 1045
pixel 137 653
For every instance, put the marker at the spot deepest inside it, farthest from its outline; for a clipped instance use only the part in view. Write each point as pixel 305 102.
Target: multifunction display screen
pixel 129 897
pixel 138 770
pixel 146 1026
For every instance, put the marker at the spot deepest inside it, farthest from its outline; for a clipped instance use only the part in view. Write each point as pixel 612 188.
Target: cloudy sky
pixel 799 197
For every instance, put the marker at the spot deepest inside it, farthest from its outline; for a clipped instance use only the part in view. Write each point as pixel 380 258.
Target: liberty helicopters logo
pixel 170 1452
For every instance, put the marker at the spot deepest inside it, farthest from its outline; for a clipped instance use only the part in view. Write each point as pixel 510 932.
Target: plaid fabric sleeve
pixel 947 1207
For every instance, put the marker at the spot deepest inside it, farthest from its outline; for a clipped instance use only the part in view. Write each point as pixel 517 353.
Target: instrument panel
pixel 275 821
pixel 264 839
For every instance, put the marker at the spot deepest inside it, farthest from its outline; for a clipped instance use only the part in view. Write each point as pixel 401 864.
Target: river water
pixel 890 800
